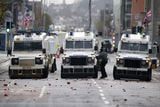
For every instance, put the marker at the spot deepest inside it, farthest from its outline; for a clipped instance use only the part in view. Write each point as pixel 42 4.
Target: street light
pixel 90 18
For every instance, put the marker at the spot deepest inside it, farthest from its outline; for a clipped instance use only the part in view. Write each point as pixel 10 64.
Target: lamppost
pixel 8 26
pixel 90 17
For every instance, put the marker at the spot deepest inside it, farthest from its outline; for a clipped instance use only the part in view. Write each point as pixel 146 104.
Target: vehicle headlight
pixel 38 61
pixel 90 60
pixel 120 61
pixel 66 60
pixel 145 63
pixel 15 61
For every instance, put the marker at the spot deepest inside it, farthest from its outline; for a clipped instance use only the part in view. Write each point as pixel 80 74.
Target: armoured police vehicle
pixel 79 58
pixel 154 55
pixel 133 57
pixel 29 59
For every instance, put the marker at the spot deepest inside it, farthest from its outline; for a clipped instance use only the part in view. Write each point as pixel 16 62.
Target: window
pixel 134 46
pixel 28 46
pixel 69 44
pixel 78 44
pixel 159 30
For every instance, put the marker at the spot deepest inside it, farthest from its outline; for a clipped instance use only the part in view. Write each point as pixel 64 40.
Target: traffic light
pixel 8 25
pixel 140 29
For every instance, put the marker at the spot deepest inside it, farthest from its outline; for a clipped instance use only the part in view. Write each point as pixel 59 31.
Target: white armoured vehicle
pixel 133 57
pixel 29 57
pixel 79 58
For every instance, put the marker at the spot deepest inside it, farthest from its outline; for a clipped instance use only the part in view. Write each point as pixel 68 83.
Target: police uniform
pixel 102 61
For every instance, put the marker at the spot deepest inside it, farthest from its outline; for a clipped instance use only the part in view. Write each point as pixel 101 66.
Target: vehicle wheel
pixel 45 72
pixel 116 77
pixel 62 75
pixel 10 74
pixel 95 72
pixel 53 68
pixel 149 77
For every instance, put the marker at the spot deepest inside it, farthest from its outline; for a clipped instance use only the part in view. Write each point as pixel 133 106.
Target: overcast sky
pixel 60 1
pixel 56 1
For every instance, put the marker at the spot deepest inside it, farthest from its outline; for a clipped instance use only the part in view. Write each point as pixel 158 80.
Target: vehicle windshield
pixel 134 46
pixel 28 46
pixel 154 50
pixel 78 44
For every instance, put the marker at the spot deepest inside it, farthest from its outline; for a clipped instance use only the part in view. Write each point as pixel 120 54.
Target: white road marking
pixel 106 102
pixel 10 83
pixel 42 91
pixel 99 87
pixel 101 92
pixel 103 98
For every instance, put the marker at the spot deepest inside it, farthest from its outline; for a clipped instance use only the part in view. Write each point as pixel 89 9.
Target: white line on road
pixel 103 98
pixel 99 87
pixel 42 91
pixel 10 83
pixel 101 92
pixel 106 102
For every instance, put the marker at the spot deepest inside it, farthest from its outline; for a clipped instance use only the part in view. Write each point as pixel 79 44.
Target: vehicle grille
pixel 27 62
pixel 134 63
pixel 78 60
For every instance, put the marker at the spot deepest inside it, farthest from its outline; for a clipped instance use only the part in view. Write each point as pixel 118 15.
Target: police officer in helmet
pixel 102 60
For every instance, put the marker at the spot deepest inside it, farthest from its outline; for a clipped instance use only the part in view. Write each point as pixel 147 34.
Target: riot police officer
pixel 102 60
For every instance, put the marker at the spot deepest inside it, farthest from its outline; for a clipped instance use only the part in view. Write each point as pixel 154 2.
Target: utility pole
pixel 43 14
pixel 90 17
pixel 104 17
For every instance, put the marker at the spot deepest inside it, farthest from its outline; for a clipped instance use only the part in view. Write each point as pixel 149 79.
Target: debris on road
pixel 49 84
pixel 5 85
pixel 73 88
pixel 15 83
pixel 3 80
pixel 125 99
pixel 5 94
pixel 68 83
pixel 124 90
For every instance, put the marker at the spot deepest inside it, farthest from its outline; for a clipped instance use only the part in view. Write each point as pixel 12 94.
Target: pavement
pixel 157 69
pixel 3 57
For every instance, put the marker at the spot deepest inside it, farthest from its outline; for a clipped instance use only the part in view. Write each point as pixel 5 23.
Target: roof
pixel 33 37
pixel 80 35
pixel 135 37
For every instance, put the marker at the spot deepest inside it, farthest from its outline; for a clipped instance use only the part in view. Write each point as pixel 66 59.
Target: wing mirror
pixel 157 49
pixel 96 48
pixel 9 51
pixel 44 51
pixel 150 51
pixel 61 50
pixel 115 49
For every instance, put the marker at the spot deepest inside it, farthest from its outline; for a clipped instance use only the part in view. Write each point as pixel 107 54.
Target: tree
pixel 48 21
pixel 4 6
pixel 90 18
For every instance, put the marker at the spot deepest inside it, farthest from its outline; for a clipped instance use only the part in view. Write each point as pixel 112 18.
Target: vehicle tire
pixel 45 72
pixel 95 72
pixel 116 77
pixel 54 66
pixel 62 75
pixel 149 77
pixel 10 74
